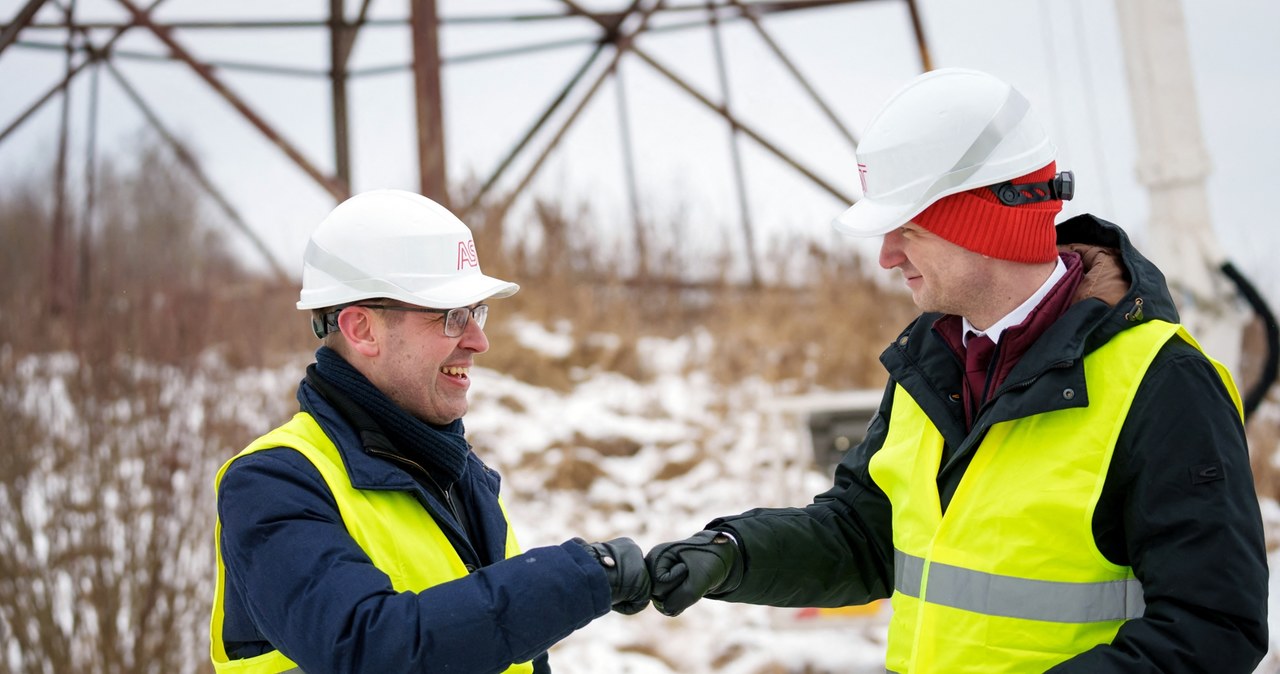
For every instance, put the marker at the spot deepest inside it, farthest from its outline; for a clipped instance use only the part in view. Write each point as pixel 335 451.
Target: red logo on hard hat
pixel 862 176
pixel 467 254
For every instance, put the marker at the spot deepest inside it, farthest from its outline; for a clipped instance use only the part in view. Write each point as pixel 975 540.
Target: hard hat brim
pixel 461 292
pixel 868 218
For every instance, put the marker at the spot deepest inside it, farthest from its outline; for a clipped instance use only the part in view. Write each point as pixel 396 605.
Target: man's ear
pixel 359 331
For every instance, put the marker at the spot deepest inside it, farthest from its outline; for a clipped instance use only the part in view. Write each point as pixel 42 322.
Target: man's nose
pixel 891 250
pixel 473 338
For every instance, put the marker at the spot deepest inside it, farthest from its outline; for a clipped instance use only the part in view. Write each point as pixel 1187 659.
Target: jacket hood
pixel 1121 287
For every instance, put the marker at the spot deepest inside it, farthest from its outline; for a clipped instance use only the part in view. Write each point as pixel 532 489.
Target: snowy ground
pixel 612 457
pixel 672 454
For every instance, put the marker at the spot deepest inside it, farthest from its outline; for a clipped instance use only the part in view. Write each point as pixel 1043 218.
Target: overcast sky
pixel 1065 56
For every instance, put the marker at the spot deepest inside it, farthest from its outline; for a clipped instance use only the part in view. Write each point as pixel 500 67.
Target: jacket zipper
pixel 448 500
pixel 1025 383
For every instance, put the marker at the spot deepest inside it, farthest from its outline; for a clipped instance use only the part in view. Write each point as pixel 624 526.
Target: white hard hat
pixel 397 245
pixel 945 132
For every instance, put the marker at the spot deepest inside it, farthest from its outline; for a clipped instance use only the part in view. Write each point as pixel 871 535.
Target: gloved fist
pixel 684 571
pixel 624 566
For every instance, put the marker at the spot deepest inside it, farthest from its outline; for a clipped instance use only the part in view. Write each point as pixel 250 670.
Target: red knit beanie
pixel 977 221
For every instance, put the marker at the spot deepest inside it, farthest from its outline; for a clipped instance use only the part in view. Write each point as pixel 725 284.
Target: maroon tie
pixel 977 359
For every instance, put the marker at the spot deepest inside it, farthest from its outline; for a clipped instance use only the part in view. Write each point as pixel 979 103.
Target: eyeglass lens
pixel 456 320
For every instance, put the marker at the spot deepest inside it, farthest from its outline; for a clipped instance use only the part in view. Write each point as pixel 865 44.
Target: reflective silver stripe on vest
pixel 1010 597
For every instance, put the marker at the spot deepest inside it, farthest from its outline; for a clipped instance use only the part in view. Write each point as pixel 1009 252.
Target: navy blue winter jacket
pixel 288 556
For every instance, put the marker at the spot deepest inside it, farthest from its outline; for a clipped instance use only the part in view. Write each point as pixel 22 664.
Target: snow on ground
pixel 651 460
pixel 669 455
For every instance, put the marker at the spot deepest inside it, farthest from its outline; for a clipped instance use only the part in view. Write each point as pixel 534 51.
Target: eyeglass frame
pixel 479 312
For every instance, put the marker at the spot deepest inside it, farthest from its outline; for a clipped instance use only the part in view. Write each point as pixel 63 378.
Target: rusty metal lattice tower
pixel 616 34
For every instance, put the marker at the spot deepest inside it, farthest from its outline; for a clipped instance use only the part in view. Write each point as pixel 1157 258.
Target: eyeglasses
pixel 455 320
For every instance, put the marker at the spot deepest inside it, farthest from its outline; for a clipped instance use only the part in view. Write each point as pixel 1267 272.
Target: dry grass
pixel 174 298
pixel 827 329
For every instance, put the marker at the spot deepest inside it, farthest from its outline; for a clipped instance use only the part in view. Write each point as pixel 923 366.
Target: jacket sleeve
pixel 314 594
pixel 1190 525
pixel 837 551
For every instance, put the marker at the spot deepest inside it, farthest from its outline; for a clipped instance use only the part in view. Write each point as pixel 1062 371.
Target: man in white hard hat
pixel 1057 477
pixel 364 535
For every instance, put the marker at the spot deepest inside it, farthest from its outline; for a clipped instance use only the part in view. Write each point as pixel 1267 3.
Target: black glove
pixel 684 571
pixel 624 566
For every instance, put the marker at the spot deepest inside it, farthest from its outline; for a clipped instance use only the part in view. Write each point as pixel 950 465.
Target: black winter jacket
pixel 1196 545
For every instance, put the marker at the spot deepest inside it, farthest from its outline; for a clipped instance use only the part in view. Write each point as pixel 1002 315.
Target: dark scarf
pixel 442 450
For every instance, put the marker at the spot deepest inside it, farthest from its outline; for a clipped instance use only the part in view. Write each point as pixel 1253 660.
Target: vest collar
pixel 366 471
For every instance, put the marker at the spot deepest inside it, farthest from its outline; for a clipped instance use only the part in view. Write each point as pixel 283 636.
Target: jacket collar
pixel 1050 375
pixel 354 440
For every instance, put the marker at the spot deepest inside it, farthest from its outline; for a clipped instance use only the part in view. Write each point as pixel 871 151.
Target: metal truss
pixel 616 34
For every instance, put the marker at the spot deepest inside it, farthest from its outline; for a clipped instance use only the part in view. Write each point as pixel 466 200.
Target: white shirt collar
pixel 1017 315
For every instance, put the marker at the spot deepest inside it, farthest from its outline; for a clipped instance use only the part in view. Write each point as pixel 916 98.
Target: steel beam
pixel 188 160
pixel 339 37
pixel 432 175
pixel 735 149
pixel 20 21
pixel 330 184
pixel 729 117
pixel 922 45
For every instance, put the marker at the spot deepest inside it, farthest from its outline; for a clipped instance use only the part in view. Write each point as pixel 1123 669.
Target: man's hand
pixel 624 566
pixel 684 571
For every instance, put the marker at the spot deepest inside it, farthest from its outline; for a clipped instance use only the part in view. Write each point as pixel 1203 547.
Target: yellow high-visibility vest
pixel 1010 579
pixel 379 521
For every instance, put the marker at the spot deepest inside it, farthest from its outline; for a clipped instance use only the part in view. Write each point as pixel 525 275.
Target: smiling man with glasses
pixel 365 535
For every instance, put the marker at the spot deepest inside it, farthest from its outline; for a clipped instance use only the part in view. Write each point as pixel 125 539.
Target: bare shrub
pixel 110 437
pixel 93 576
pixel 158 281
pixel 24 231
